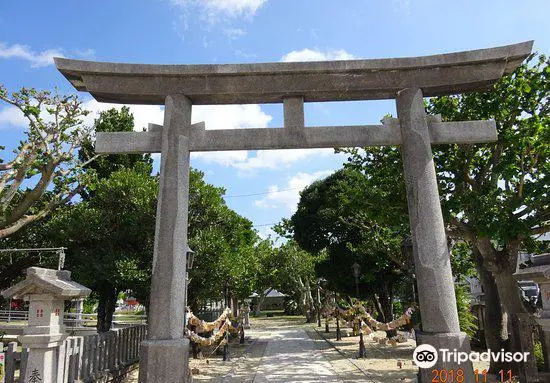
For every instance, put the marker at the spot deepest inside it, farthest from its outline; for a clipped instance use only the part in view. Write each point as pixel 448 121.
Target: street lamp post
pixel 356 272
pixel 319 303
pixel 327 330
pixel 226 293
pixel 190 258
pixel 338 335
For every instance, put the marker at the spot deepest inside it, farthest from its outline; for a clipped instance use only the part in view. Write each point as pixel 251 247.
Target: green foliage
pixel 114 120
pixel 539 354
pixel 466 319
pixel 493 195
pixel 294 267
pixel 462 261
pixel 291 307
pixel 500 189
pixel 398 309
pixel 89 305
pixel 110 236
pixel 347 215
pixel 224 242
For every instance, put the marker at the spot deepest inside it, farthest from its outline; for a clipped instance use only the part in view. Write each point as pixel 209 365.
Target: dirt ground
pixel 382 364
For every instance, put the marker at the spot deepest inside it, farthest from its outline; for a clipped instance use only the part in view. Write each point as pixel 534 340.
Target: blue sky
pixel 233 31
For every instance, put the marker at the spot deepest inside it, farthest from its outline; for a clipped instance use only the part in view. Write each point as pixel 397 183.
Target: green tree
pixel 270 271
pixel 466 319
pixel 224 243
pixel 110 238
pixel 112 120
pixel 45 172
pixel 343 215
pixel 296 276
pixel 494 196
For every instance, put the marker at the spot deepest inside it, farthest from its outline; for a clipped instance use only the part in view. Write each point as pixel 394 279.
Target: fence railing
pixel 13 316
pixel 88 358
pixel 14 360
pixel 110 352
pixel 210 314
pixel 76 319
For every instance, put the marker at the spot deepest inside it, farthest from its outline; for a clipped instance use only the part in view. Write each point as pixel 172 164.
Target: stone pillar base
pixel 164 361
pixel 449 341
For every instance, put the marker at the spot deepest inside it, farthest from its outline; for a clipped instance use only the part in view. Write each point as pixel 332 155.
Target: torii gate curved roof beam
pixel 313 81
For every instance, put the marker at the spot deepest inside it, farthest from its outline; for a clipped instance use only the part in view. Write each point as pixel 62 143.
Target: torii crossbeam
pixel 164 355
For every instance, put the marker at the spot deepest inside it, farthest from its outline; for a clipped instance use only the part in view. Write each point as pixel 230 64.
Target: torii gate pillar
pixel 165 353
pixel 434 277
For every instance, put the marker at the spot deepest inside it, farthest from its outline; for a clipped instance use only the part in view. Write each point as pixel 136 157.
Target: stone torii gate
pixel 164 355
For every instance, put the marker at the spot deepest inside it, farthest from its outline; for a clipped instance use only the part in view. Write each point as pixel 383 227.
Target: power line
pixel 266 224
pixel 254 194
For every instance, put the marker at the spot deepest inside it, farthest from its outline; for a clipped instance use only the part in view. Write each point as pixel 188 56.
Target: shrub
pixel 466 319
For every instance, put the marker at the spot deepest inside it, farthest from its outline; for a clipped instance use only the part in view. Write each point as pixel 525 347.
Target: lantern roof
pixel 39 280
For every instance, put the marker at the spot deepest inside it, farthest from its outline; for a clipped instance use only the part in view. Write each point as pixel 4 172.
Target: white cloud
pixel 229 117
pixel 242 54
pixel 288 195
pixel 10 115
pixel 143 114
pixel 37 59
pixel 316 55
pixel 215 117
pixel 221 117
pixel 402 6
pixel 234 33
pixel 224 158
pixel 231 8
pixel 277 159
pixel 265 232
pixel 87 53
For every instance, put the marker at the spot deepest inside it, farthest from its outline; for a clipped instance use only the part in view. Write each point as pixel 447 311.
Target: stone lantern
pixel 46 290
pixel 539 272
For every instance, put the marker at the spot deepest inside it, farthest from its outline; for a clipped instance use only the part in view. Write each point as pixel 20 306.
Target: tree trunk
pixel 310 303
pixel 495 320
pixel 306 300
pixel 509 293
pixel 302 301
pixel 261 300
pixel 234 306
pixel 379 308
pixel 386 303
pixel 502 264
pixel 106 306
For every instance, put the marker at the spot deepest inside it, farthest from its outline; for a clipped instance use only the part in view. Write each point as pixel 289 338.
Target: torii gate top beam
pixel 312 81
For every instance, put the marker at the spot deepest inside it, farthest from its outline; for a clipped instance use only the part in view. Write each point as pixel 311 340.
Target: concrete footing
pixel 164 361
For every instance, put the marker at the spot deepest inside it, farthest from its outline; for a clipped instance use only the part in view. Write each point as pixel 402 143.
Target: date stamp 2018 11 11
pixel 457 376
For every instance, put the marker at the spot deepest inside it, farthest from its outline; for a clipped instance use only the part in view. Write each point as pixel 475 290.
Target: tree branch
pixel 540 230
